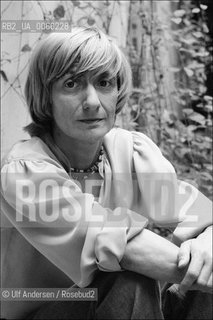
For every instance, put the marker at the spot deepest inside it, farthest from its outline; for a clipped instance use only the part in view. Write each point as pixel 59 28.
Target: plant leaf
pixel 197 117
pixel 179 13
pixel 26 48
pixel 195 10
pixel 3 74
pixel 188 71
pixel 203 6
pixel 208 98
pixel 90 21
pixel 76 3
pixel 176 20
pixel 59 12
pixel 174 69
pixel 198 34
pixel 188 111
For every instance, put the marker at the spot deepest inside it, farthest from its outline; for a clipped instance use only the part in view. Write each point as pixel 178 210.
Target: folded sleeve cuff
pixel 111 242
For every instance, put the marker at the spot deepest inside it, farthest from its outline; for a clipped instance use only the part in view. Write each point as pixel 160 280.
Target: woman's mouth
pixel 90 121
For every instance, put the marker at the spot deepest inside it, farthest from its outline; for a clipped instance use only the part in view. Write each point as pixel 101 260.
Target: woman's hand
pixel 197 255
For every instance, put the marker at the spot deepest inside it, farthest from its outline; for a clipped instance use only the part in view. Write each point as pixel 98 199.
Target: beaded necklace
pixel 94 168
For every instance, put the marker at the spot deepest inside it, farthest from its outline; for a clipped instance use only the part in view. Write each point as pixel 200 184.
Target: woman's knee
pixel 126 285
pixel 127 295
pixel 121 295
pixel 124 279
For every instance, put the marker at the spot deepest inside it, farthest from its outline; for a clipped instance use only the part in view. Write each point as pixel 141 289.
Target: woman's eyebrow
pixel 71 75
pixel 106 74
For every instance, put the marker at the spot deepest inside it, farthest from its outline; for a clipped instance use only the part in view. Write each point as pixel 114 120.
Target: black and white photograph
pixel 106 160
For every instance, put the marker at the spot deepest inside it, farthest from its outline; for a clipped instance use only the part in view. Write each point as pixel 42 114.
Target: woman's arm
pixel 155 257
pixel 151 255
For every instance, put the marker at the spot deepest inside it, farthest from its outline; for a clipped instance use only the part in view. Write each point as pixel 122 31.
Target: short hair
pixel 82 50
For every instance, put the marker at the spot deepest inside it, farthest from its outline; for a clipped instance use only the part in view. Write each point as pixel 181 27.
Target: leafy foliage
pixel 176 114
pixel 183 127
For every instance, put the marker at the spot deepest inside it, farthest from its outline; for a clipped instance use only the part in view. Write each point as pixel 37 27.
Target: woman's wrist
pixel 153 256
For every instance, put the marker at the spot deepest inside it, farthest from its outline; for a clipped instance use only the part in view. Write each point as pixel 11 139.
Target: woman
pixel 78 195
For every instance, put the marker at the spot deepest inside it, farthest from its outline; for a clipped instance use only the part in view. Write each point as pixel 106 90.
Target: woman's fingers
pixel 192 273
pixel 196 256
pixel 184 254
pixel 207 288
pixel 205 274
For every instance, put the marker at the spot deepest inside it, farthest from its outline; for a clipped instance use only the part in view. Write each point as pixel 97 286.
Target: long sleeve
pixel 67 226
pixel 157 182
pixel 166 200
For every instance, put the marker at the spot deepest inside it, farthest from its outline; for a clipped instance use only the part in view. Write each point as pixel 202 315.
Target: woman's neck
pixel 81 154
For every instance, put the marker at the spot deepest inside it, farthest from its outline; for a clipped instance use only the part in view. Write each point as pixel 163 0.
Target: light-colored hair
pixel 81 50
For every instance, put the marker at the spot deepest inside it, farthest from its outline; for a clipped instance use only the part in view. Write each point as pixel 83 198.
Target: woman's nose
pixel 92 100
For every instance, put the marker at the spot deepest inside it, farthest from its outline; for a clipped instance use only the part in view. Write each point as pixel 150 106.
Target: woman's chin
pixel 93 134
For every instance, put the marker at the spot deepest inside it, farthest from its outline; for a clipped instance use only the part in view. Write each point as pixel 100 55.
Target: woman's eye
pixel 70 84
pixel 104 83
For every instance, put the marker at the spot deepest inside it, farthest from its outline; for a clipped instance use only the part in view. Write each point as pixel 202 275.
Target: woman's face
pixel 84 107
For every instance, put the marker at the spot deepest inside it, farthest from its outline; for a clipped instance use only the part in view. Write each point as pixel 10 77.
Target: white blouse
pixel 70 233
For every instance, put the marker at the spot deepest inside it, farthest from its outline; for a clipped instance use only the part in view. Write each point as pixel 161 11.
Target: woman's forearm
pixel 153 256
